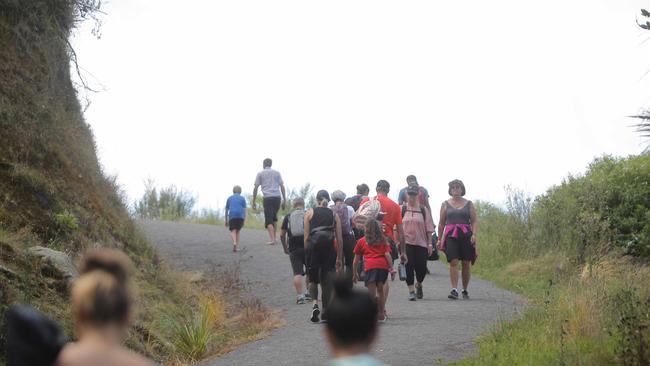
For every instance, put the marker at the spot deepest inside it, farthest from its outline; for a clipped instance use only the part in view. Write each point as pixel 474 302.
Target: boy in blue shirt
pixel 235 215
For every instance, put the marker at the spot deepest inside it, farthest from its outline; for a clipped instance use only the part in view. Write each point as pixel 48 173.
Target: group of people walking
pixel 339 235
pixel 363 236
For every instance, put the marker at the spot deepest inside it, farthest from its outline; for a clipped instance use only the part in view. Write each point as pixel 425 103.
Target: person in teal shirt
pixel 351 327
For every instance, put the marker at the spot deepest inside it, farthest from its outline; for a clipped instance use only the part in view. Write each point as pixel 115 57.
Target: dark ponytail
pixel 351 316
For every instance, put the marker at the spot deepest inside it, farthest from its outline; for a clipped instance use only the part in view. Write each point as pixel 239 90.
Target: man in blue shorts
pixel 272 189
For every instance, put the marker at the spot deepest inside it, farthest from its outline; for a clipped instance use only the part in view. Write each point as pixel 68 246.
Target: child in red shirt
pixel 377 263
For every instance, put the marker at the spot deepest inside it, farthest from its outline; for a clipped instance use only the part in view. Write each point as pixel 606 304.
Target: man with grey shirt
pixel 272 186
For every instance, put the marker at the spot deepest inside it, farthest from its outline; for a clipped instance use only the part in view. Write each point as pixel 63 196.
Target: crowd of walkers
pixel 338 242
pixel 366 238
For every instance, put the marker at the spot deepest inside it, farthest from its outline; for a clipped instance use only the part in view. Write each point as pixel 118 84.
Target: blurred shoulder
pixel 76 355
pixel 130 358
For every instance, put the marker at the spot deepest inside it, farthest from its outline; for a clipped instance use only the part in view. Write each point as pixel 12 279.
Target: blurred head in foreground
pixel 101 296
pixel 351 327
pixel 102 301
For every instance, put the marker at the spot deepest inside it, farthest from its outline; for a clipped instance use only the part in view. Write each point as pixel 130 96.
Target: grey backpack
pixel 297 223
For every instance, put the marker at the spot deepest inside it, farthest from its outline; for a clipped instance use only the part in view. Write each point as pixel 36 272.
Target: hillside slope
pixel 53 192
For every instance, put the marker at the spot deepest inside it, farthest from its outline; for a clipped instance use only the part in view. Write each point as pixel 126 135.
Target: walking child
pixel 235 215
pixel 377 263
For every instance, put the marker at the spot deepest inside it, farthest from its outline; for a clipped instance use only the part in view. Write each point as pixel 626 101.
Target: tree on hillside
pixel 306 193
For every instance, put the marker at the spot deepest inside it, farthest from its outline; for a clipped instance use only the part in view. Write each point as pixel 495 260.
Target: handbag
pixel 322 234
pixel 434 253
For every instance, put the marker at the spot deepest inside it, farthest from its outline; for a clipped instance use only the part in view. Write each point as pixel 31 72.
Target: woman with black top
pixel 322 227
pixel 457 235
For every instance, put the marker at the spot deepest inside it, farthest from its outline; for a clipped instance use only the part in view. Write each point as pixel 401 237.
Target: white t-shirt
pixel 270 181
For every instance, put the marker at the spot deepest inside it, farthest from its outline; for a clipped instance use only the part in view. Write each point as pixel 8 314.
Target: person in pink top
pixel 418 227
pixel 457 235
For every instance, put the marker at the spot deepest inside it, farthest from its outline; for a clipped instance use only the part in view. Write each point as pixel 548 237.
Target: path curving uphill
pixel 417 333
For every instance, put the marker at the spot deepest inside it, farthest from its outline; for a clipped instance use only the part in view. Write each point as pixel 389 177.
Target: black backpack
pixel 422 210
pixel 354 201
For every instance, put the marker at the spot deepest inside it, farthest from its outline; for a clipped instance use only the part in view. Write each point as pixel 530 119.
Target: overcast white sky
pixel 495 92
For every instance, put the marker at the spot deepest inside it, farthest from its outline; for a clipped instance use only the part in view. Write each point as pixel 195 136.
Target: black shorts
pixel 236 224
pixel 297 258
pixel 271 208
pixel 460 248
pixel 376 275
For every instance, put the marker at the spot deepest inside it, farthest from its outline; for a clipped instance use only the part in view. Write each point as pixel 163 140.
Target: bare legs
pixel 297 283
pixel 378 291
pixel 453 273
pixel 234 235
pixel 271 229
pixel 385 297
pixel 466 274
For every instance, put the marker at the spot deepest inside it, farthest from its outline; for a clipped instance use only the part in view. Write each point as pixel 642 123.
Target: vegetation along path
pixel 416 333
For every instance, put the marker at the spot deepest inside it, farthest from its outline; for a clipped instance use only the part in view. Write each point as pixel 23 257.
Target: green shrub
pixel 608 206
pixel 632 327
pixel 193 336
pixel 66 221
pixel 565 252
pixel 170 204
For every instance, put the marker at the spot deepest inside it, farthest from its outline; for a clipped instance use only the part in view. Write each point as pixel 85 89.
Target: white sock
pixel 454 289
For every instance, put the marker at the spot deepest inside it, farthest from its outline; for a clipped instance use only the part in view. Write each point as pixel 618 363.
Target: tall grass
pixel 193 335
pixel 578 256
pixel 216 315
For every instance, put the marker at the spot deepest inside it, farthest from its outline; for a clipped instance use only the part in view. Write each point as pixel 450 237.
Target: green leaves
pixel 169 203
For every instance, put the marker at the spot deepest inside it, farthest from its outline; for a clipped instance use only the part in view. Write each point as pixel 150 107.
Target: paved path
pixel 416 333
